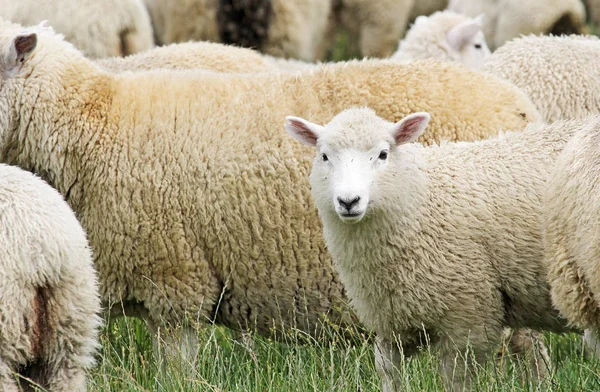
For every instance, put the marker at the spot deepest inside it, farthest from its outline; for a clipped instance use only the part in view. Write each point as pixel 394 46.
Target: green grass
pixel 229 363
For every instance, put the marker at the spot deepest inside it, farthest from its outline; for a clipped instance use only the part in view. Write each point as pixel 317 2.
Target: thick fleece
pixel 572 224
pixel 190 191
pixel 508 19
pixel 451 238
pixel 294 29
pixel 98 28
pixel 49 301
pixel 193 55
pixel 560 74
pixel 445 36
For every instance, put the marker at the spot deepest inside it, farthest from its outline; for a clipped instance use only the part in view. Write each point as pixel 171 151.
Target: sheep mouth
pixel 351 217
pixel 566 25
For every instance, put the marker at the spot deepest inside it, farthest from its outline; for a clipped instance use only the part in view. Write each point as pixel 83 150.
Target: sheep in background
pixel 194 200
pixel 572 236
pixel 443 240
pixel 49 300
pixel 560 74
pixel 445 35
pixel 509 19
pixel 99 28
pixel 593 11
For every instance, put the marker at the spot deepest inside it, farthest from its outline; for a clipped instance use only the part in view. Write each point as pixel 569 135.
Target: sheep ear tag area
pixel 22 46
pixel 304 131
pixel 410 127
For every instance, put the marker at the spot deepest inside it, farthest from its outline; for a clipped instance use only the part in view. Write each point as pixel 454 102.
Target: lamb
pixel 193 55
pixel 98 28
pixel 48 291
pixel 511 18
pixel 281 28
pixel 443 239
pixel 571 222
pixel 560 74
pixel 445 36
pixel 194 200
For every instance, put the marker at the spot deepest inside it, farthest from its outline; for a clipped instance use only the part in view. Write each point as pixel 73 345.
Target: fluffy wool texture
pixel 193 55
pixel 295 28
pixel 451 240
pixel 189 189
pixel 508 19
pixel 428 39
pixel 99 28
pixel 48 290
pixel 572 223
pixel 560 74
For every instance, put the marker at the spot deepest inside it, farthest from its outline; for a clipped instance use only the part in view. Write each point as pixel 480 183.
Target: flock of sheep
pixel 454 191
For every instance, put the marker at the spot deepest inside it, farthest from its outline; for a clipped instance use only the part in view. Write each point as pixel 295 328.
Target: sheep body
pixel 571 219
pixel 294 29
pixel 48 290
pixel 192 55
pixel 98 28
pixel 560 74
pixel 445 36
pixel 509 19
pixel 450 242
pixel 190 193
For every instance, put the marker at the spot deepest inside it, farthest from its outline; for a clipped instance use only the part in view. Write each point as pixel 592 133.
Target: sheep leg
pixel 8 382
pixel 175 347
pixel 591 338
pixel 529 346
pixel 388 361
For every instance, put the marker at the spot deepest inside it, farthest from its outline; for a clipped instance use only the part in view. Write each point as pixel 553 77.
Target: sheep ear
pixel 480 19
pixel 410 127
pixel 20 49
pixel 303 131
pixel 461 34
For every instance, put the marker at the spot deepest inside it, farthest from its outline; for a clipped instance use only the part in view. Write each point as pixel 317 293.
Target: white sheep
pixel 572 236
pixel 560 74
pixel 99 28
pixel 443 240
pixel 194 200
pixel 508 19
pixel 445 36
pixel 48 291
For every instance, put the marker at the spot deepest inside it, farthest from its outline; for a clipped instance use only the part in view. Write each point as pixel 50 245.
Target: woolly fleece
pixel 508 19
pixel 99 28
pixel 560 74
pixel 48 290
pixel 572 223
pixel 190 191
pixel 451 242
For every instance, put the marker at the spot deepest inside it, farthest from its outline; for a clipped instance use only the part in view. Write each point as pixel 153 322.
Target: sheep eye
pixel 383 155
pixel 325 157
pixel 477 46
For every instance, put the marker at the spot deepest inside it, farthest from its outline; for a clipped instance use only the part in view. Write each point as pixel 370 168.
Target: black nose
pixel 348 204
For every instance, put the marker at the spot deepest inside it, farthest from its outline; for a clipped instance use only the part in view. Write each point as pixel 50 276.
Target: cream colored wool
pixel 192 55
pixel 48 290
pixel 508 19
pixel 189 190
pixel 99 28
pixel 451 238
pixel 295 30
pixel 560 74
pixel 438 37
pixel 572 221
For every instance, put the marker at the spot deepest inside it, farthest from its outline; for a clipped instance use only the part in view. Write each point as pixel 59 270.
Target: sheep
pixel 173 177
pixel 98 28
pixel 281 28
pixel 193 55
pixel 512 18
pixel 592 8
pixel 445 36
pixel 49 301
pixel 443 240
pixel 560 74
pixel 571 222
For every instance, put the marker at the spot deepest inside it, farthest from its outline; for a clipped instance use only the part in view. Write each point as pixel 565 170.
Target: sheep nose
pixel 348 203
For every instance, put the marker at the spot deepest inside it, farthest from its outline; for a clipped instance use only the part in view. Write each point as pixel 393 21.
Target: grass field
pixel 226 363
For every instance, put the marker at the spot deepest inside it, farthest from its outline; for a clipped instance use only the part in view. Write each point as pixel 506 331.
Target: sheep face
pixel 353 151
pixel 467 44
